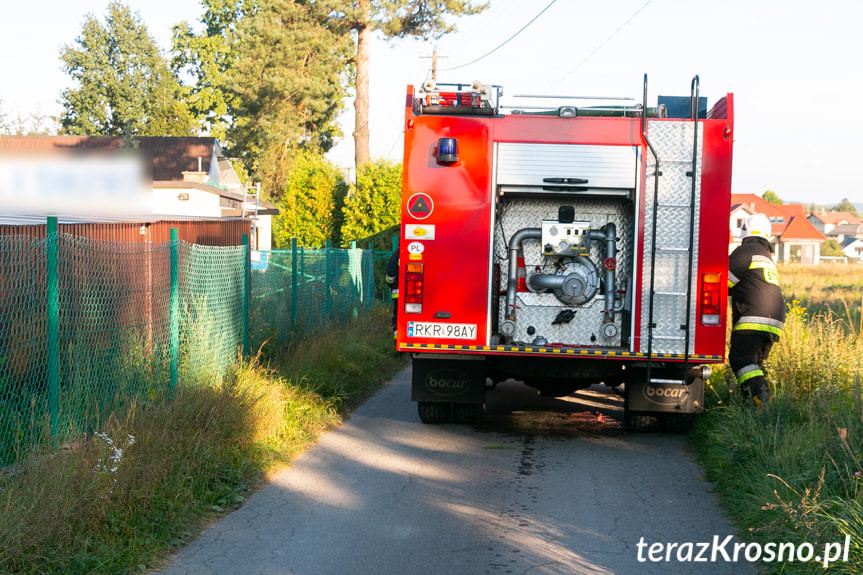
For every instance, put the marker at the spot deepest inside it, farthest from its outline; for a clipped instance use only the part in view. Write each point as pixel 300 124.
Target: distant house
pixel 189 178
pixel 826 222
pixel 853 248
pixel 795 239
pixel 844 231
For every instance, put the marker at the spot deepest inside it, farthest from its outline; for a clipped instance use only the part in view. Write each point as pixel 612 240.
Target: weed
pixel 111 504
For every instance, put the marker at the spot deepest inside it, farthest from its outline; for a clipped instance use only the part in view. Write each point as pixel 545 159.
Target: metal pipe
pixel 512 275
pixel 608 234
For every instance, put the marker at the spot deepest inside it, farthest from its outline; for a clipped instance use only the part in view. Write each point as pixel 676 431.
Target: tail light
pixel 710 299
pixel 414 288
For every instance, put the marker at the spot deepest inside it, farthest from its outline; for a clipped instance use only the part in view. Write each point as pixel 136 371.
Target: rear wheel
pixel 675 422
pixel 467 412
pixel 635 421
pixel 433 411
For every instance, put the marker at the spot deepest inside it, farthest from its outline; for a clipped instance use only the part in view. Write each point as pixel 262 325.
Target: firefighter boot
pixel 758 389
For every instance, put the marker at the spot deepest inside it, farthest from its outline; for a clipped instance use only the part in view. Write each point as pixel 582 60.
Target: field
pixel 792 471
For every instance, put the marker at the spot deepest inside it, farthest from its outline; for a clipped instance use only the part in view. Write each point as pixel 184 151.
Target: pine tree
pixel 395 19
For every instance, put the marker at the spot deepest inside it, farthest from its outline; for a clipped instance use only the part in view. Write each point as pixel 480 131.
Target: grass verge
pixel 116 500
pixel 792 471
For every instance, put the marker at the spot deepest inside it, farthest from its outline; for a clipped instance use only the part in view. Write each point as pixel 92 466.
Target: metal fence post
pixel 247 281
pixel 371 275
pixel 303 269
pixel 53 296
pixel 327 283
pixel 175 309
pixel 294 283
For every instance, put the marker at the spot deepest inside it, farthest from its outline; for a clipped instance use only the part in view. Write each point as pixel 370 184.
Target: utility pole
pixel 434 58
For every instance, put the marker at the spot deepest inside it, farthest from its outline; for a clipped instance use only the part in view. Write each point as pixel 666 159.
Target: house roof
pixel 799 228
pixel 848 241
pixel 788 221
pixel 847 230
pixel 836 218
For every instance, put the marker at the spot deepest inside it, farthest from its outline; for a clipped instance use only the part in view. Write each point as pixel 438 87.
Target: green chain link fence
pixel 88 326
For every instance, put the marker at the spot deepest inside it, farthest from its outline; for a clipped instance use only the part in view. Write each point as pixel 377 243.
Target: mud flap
pixel 449 378
pixel 665 396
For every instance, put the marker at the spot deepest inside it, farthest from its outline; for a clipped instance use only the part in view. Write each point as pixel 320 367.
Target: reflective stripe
pixel 759 261
pixel 757 323
pixel 394 294
pixel 758 327
pixel 762 320
pixel 732 279
pixel 390 279
pixel 747 372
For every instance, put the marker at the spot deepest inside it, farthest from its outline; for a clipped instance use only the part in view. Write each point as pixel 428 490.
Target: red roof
pixel 799 228
pixel 836 218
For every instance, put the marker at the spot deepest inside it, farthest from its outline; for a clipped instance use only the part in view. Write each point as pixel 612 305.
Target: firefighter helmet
pixel 757 225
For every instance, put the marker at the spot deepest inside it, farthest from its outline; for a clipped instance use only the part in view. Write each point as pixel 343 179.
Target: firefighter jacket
pixel 753 284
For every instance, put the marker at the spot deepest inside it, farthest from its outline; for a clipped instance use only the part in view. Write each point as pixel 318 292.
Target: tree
pixel 771 197
pixel 396 19
pixel 205 59
pixel 286 82
pixel 831 247
pixel 374 202
pixel 310 202
pixel 846 206
pixel 124 83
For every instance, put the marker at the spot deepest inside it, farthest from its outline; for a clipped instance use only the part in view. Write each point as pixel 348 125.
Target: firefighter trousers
pixel 749 350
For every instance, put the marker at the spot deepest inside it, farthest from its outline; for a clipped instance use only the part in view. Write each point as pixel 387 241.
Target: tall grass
pixel 113 501
pixel 791 470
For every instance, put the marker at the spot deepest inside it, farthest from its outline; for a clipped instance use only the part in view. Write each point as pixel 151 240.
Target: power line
pixel 502 44
pixel 598 48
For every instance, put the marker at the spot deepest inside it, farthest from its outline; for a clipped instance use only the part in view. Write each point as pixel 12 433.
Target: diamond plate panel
pixel 673 144
pixel 540 310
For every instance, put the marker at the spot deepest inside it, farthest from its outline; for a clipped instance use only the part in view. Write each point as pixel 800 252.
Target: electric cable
pixel 502 44
pixel 598 48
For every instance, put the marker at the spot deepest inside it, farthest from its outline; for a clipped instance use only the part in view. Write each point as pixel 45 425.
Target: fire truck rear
pixel 563 243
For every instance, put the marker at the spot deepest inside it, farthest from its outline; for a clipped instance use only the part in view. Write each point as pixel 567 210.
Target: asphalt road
pixel 541 486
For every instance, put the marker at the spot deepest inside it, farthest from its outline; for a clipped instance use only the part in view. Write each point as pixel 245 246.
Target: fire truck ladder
pixel 675 255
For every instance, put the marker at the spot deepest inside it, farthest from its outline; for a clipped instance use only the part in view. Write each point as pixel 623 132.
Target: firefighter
pixel 758 309
pixel 393 282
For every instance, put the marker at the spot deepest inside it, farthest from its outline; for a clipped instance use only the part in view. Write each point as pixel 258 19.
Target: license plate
pixel 442 330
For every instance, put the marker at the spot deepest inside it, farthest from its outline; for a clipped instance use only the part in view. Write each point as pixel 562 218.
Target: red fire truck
pixel 562 243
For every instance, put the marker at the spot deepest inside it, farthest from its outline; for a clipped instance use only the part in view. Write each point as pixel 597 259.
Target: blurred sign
pixel 95 185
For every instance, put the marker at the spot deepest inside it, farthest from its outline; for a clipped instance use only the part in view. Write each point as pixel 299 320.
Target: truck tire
pixel 467 412
pixel 433 411
pixel 675 422
pixel 638 422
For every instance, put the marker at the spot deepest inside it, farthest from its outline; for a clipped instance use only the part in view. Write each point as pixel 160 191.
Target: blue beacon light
pixel 447 151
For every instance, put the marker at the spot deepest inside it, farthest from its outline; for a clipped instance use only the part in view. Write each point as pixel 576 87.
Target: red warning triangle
pixel 419 206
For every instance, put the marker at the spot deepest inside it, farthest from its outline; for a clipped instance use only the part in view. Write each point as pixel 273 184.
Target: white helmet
pixel 757 225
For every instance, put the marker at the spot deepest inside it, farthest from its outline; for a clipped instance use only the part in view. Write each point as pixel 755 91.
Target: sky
pixel 793 68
